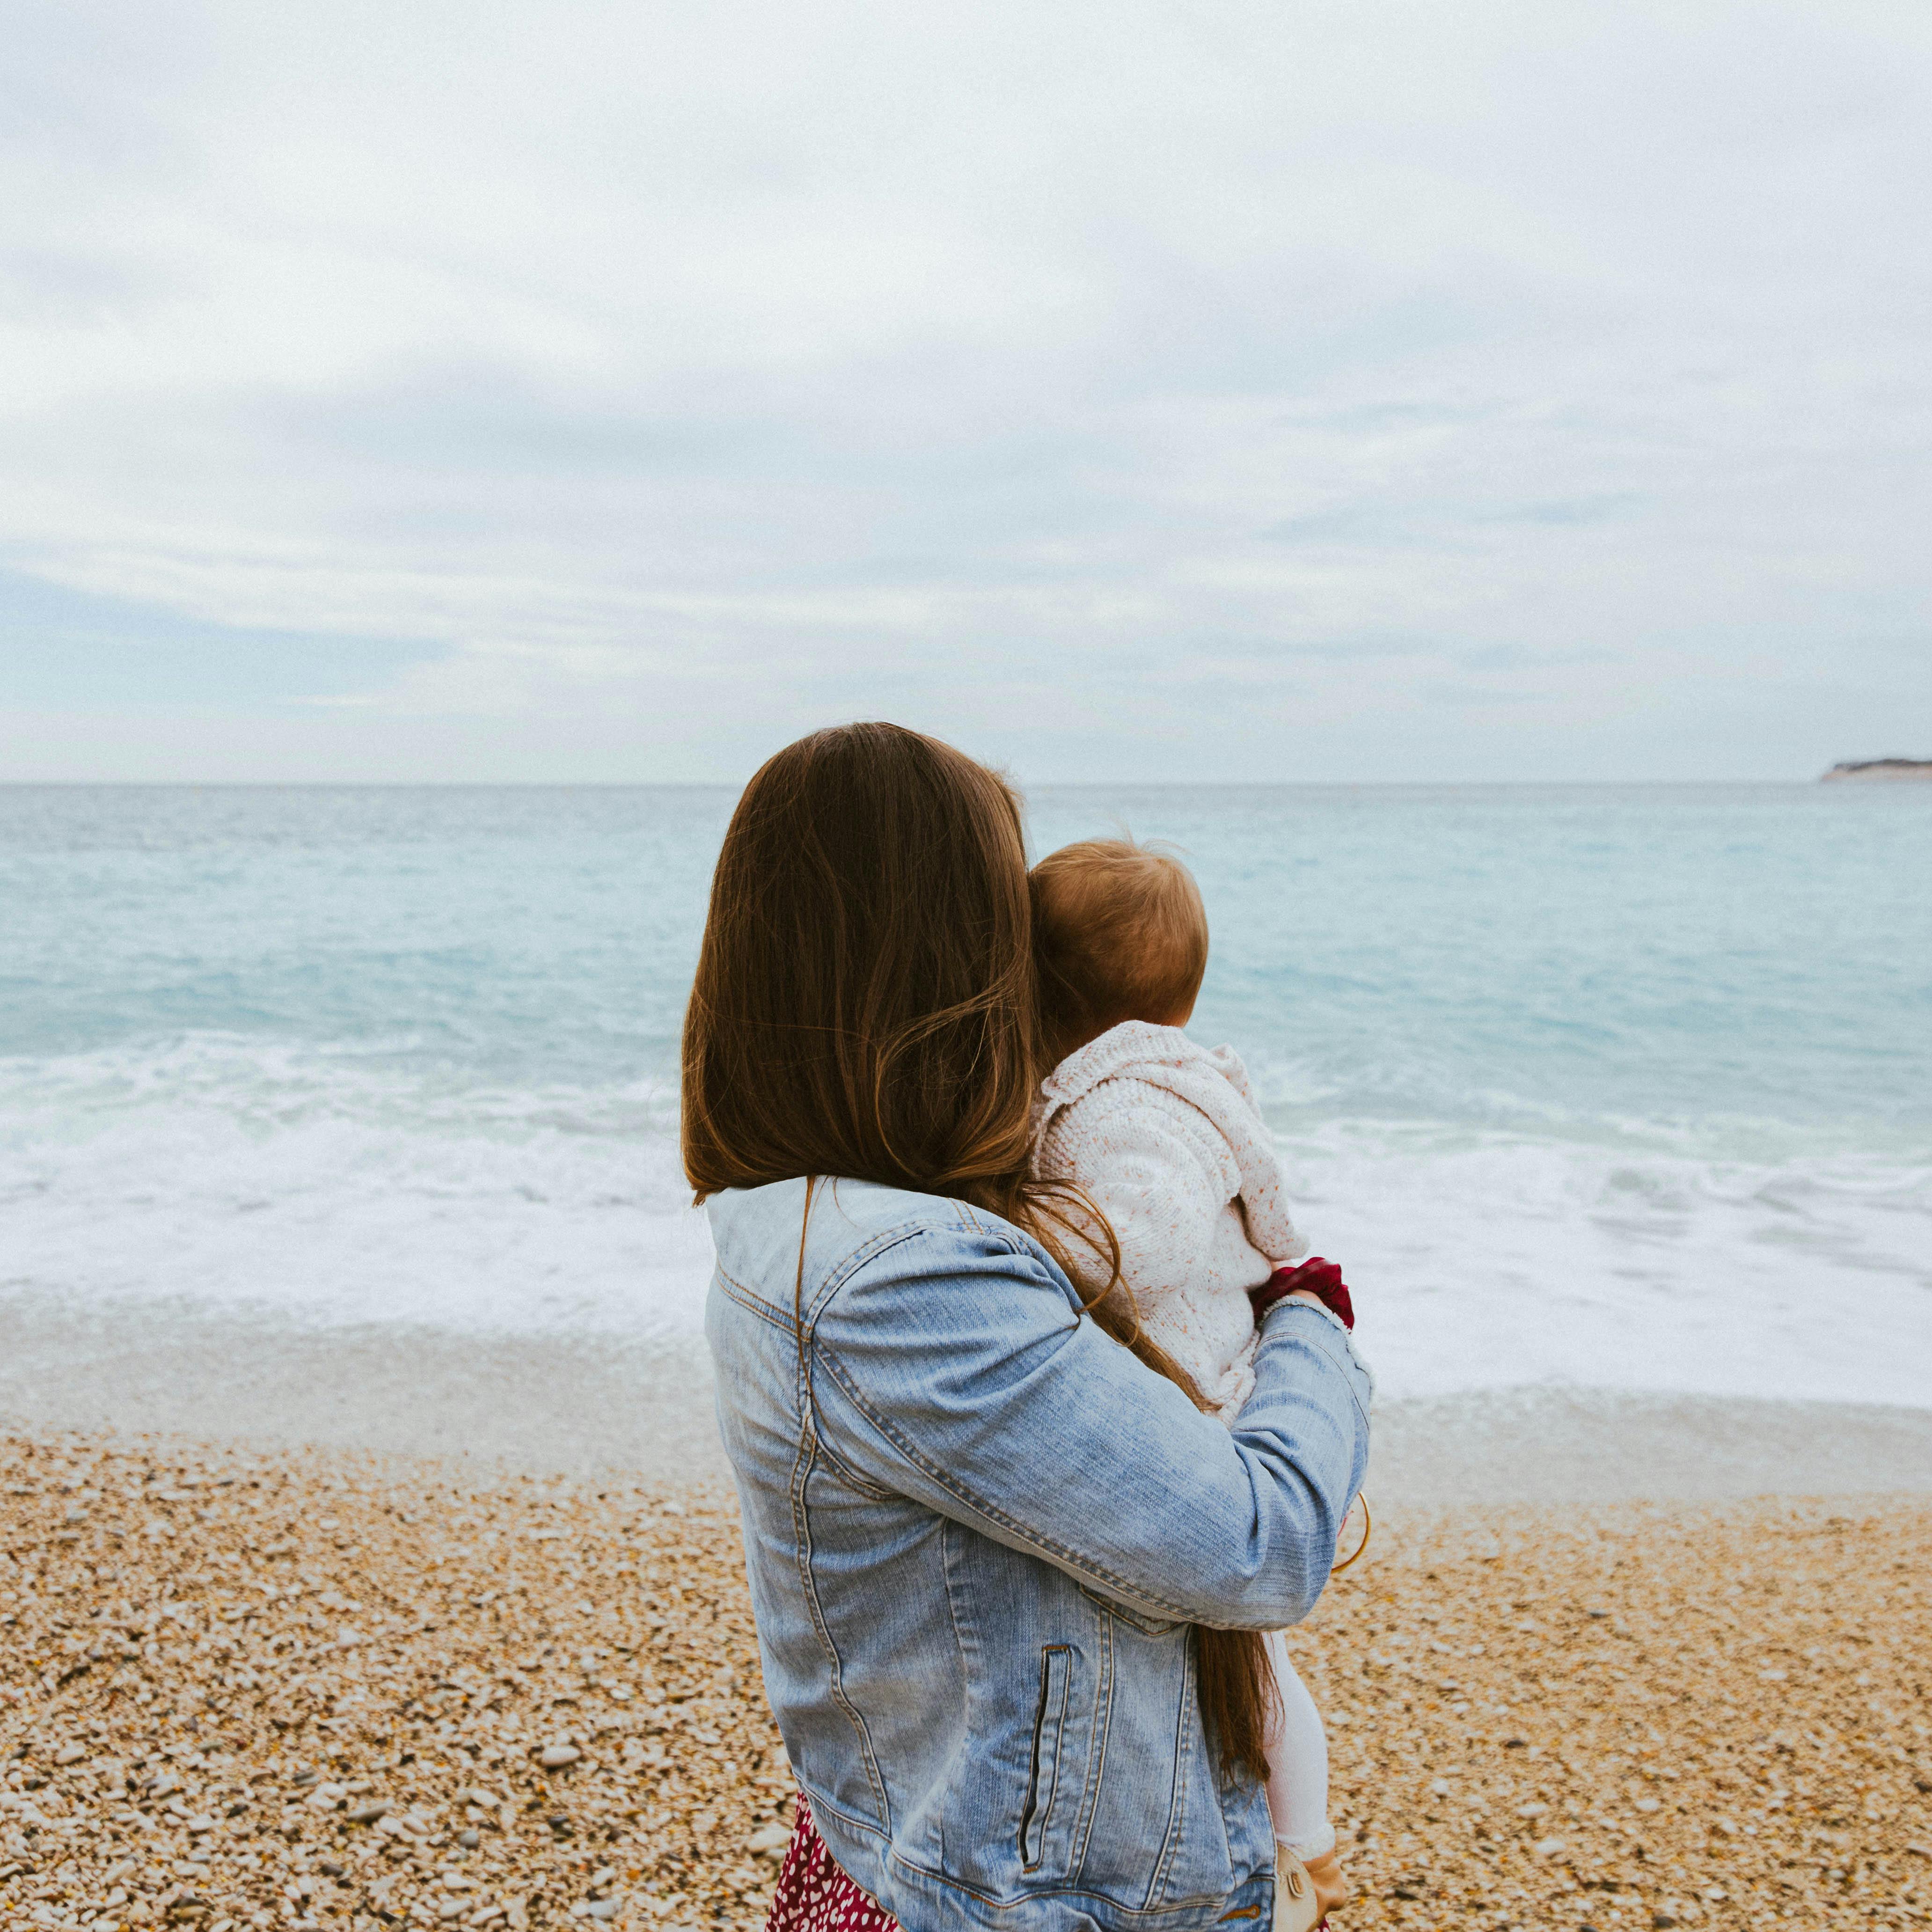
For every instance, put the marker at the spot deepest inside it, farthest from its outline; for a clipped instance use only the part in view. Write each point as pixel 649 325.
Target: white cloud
pixel 1467 391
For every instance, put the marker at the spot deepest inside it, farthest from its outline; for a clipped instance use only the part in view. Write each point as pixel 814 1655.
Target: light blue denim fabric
pixel 978 1532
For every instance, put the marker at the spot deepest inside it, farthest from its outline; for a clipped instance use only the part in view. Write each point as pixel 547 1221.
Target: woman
pixel 979 1531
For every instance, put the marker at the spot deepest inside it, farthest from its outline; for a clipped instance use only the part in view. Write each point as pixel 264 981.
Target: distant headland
pixel 1880 768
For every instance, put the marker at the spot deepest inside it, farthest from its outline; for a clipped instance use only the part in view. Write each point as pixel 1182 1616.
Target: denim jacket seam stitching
pixel 1067 1890
pixel 1139 1619
pixel 878 1492
pixel 802 1532
pixel 1041 1544
pixel 1183 1741
pixel 874 1245
pixel 751 1301
pixel 825 1808
pixel 951 1883
pixel 854 1716
pixel 868 1251
pixel 947 1566
pixel 1096 1746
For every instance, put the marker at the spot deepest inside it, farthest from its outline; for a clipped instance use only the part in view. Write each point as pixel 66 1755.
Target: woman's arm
pixel 956 1369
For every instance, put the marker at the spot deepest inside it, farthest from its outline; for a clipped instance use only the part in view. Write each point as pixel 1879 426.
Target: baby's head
pixel 1119 933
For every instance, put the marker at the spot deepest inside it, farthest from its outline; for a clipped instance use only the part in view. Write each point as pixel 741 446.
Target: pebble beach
pixel 248 1687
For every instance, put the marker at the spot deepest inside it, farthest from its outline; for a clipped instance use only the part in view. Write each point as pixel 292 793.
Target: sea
pixel 1600 1087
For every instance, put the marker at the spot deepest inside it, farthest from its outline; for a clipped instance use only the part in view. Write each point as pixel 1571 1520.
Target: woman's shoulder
pixel 858 1229
pixel 842 1210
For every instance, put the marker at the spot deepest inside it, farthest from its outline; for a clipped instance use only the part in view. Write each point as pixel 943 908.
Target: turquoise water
pixel 1594 1084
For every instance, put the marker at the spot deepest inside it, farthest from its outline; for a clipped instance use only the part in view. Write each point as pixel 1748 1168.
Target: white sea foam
pixel 226 1174
pixel 327 1190
pixel 1511 1261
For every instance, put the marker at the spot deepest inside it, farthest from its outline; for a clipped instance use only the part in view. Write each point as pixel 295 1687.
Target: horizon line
pixel 1040 785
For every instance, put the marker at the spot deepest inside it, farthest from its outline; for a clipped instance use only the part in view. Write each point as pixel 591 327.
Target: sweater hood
pixel 1138 1050
pixel 1086 1099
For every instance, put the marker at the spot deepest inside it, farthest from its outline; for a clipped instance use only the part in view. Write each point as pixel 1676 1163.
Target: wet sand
pixel 578 1405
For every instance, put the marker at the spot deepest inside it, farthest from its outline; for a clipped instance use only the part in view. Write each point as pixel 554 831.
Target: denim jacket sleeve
pixel 956 1368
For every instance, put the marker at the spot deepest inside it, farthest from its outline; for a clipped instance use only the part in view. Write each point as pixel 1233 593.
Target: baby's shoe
pixel 1296 1907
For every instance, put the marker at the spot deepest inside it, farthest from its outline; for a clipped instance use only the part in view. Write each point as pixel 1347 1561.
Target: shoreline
pixel 577 1405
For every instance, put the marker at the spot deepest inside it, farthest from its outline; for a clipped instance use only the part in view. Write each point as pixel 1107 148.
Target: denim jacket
pixel 978 1533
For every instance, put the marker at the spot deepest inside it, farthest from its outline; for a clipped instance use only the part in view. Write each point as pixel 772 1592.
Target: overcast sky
pixel 1178 391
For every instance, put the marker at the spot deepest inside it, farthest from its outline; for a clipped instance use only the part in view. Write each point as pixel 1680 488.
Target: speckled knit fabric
pixel 1166 1139
pixel 814 1895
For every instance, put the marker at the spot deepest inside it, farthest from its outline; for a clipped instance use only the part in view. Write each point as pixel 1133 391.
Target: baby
pixel 1164 1137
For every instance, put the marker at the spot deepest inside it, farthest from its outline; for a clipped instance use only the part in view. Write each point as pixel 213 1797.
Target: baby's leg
pixel 1297 1755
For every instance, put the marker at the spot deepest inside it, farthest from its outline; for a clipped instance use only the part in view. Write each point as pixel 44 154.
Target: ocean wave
pixel 330 1187
pixel 1496 1260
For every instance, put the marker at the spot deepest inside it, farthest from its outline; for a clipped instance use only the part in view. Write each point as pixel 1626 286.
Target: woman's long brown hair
pixel 864 1005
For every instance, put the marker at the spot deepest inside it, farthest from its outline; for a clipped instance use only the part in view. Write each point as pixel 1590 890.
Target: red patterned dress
pixel 814 1895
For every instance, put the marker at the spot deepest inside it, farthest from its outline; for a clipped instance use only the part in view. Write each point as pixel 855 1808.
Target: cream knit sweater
pixel 1166 1138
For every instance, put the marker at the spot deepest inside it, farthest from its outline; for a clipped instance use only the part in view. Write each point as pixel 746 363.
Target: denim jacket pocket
pixel 1148 1624
pixel 1049 1732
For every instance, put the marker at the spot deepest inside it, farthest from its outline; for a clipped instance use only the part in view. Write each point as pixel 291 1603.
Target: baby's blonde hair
pixel 1119 933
